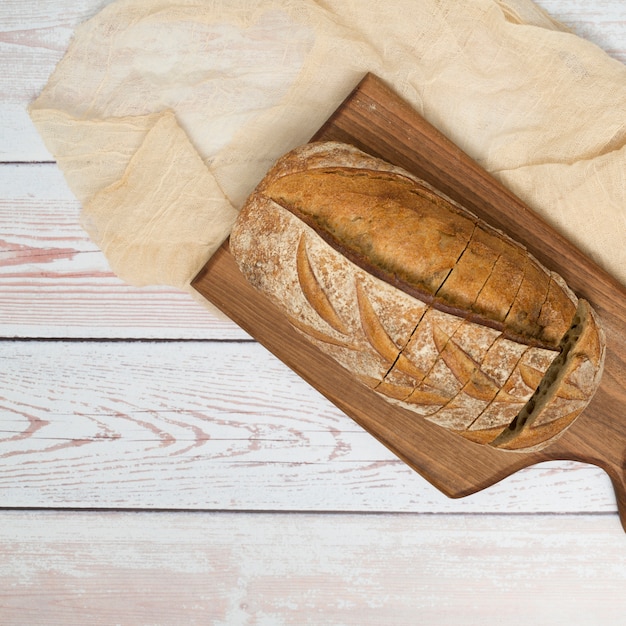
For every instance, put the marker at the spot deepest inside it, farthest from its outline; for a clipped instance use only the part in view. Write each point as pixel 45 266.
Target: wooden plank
pixel 603 23
pixel 33 38
pixel 374 119
pixel 225 569
pixel 193 425
pixel 56 283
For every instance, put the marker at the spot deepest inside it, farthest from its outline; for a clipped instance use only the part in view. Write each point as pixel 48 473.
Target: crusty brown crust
pixel 465 267
pixel 419 299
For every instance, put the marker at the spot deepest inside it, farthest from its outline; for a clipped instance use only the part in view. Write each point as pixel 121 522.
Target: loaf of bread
pixel 419 299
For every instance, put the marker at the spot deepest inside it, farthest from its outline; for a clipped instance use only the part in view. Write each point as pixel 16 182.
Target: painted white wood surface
pixel 218 426
pixel 277 570
pixel 99 409
pixel 55 283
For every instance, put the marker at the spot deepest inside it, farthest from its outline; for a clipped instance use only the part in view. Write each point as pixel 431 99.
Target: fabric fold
pixel 165 217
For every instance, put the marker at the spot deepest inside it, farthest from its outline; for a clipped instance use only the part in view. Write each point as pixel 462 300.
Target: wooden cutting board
pixel 376 120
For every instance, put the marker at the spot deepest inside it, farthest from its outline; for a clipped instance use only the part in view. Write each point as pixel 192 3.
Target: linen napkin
pixel 164 114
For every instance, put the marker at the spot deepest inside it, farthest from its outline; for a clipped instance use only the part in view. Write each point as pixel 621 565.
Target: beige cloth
pixel 164 114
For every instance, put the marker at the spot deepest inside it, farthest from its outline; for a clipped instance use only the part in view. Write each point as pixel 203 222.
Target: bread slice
pixel 565 389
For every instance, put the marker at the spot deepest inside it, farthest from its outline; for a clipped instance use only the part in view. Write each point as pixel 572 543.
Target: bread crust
pixel 419 299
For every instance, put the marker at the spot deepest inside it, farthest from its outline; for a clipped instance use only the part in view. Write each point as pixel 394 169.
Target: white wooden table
pixel 127 497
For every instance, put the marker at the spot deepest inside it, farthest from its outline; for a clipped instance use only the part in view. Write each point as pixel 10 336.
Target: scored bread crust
pixel 530 302
pixel 465 346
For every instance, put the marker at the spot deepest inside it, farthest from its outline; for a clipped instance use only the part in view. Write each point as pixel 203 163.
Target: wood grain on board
pixel 376 120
